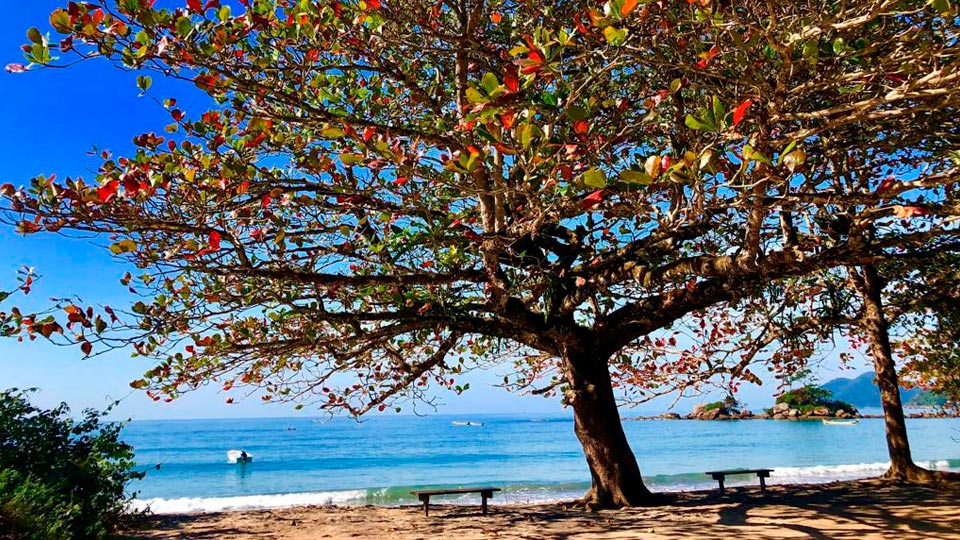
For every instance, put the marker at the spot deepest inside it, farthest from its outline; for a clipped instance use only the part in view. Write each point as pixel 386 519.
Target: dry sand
pixel 863 510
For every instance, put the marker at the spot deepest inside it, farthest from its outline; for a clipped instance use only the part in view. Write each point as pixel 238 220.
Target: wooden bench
pixel 425 494
pixel 761 474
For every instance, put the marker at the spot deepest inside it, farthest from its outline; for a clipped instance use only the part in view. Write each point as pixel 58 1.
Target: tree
pixel 399 190
pixel 60 478
pixel 870 306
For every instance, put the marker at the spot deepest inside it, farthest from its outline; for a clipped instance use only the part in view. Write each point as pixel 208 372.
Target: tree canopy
pixel 399 190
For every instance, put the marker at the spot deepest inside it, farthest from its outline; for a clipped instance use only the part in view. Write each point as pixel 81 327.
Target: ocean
pixel 298 461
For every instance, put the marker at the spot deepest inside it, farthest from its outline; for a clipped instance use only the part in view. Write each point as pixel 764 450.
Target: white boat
pixel 239 456
pixel 845 422
pixel 468 423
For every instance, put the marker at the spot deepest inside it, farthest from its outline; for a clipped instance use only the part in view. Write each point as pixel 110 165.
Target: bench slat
pixel 452 491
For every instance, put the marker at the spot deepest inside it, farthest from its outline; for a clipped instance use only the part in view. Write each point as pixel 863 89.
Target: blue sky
pixel 49 120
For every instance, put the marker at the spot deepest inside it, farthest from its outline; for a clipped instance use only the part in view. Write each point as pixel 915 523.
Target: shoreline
pixel 513 493
pixel 871 509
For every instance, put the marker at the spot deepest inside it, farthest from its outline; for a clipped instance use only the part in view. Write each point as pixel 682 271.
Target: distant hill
pixel 862 392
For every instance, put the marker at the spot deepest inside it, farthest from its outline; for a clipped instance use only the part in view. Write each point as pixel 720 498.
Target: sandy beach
pixel 864 510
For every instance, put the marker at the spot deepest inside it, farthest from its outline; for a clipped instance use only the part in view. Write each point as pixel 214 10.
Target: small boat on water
pixel 467 424
pixel 839 422
pixel 238 456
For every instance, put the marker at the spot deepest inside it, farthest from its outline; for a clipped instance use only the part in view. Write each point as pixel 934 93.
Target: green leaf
pixel 489 82
pixel 474 96
pixel 351 159
pixel 786 151
pixel 143 83
pixel 631 176
pixel 184 27
pixel 750 154
pixel 123 246
pixel 615 36
pixel 576 112
pixel 35 36
pixel 839 46
pixel 693 123
pixel 595 178
pixel 332 132
pixel 527 132
pixel 718 112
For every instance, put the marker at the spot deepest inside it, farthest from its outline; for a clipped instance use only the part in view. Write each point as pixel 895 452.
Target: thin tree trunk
pixel 874 324
pixel 613 467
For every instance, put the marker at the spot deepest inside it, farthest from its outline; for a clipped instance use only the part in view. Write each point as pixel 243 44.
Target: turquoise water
pixel 304 461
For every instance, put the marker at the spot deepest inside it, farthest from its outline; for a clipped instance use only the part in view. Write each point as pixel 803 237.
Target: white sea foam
pixel 248 502
pixel 844 472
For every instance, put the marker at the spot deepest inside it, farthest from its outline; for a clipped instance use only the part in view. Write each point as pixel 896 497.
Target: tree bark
pixel 615 475
pixel 874 325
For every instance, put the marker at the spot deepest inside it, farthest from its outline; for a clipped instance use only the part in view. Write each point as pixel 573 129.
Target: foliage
pixel 931 345
pixel 928 399
pixel 60 479
pixel 386 194
pixel 728 405
pixel 810 397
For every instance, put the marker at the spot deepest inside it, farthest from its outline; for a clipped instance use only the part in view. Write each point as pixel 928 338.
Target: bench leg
pixel 426 506
pixel 483 504
pixel 763 485
pixel 720 480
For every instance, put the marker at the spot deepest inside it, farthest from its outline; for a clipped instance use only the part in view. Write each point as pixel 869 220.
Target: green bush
pixel 60 478
pixel 807 398
pixel 728 405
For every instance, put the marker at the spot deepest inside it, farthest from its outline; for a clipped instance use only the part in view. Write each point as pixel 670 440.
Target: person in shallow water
pixel 243 456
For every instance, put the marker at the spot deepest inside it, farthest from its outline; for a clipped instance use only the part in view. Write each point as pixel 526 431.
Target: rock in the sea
pixel 712 414
pixel 781 408
pixel 697 410
pixel 820 411
pixel 746 413
pixel 670 416
pixel 793 413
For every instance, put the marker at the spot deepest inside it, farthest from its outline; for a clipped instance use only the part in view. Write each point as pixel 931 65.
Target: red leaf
pixel 177 114
pixel 214 240
pixel 706 58
pixel 506 118
pixel 627 7
pixel 401 180
pixel 496 18
pixel 86 347
pixel 581 127
pixel 16 68
pixel 741 110
pixel 108 192
pixel 511 78
pixel 374 4
pixel 591 200
pixel 368 134
pixel 886 184
pixel 195 5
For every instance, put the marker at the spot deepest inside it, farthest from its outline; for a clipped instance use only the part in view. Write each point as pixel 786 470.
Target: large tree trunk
pixel 613 467
pixel 874 324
